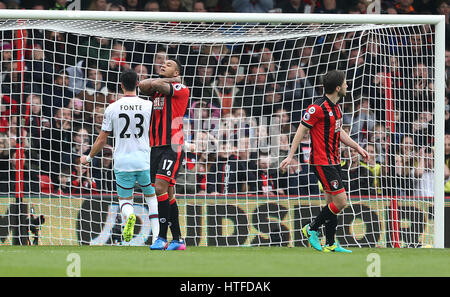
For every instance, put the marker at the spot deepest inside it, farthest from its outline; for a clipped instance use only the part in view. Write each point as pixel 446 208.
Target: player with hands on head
pixel 129 120
pixel 170 99
pixel 323 120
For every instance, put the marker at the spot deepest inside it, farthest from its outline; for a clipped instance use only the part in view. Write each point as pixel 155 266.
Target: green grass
pixel 219 262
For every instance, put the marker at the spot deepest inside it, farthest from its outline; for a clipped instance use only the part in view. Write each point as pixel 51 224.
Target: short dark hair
pixel 179 66
pixel 332 79
pixel 129 79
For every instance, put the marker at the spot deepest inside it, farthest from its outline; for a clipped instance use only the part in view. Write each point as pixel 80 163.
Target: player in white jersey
pixel 129 121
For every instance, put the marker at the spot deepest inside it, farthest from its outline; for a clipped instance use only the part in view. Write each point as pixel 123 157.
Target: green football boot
pixel 128 231
pixel 313 237
pixel 336 248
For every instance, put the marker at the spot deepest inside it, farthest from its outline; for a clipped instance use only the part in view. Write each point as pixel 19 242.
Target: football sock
pixel 330 229
pixel 152 204
pixel 163 213
pixel 324 215
pixel 174 221
pixel 126 208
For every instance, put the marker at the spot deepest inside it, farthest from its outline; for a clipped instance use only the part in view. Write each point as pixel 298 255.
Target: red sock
pixel 163 197
pixel 172 201
pixel 333 208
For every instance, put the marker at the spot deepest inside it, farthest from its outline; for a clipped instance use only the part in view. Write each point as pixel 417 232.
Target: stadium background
pixel 56 227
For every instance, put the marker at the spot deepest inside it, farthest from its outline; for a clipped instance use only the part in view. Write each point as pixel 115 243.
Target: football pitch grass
pixel 110 261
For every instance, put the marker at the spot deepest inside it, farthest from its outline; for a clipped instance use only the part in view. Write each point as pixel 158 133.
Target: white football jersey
pixel 129 119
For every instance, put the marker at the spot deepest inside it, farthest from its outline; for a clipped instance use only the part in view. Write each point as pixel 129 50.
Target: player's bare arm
pixel 146 86
pixel 161 85
pixel 301 132
pixel 96 147
pixel 347 140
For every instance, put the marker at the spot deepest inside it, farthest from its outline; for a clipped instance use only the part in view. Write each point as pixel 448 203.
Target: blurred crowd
pixel 244 6
pixel 246 102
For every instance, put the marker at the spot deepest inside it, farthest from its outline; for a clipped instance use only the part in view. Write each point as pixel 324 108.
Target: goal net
pixel 249 83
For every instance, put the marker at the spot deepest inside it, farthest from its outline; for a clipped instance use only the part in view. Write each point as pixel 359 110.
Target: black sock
pixel 163 214
pixel 330 229
pixel 324 215
pixel 174 221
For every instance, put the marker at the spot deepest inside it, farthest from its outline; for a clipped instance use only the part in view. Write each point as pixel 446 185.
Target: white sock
pixel 152 203
pixel 126 207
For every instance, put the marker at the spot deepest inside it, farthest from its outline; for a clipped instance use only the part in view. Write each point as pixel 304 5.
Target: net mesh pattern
pixel 249 87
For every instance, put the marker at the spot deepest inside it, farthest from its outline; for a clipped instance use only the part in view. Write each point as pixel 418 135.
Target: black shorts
pixel 165 163
pixel 330 176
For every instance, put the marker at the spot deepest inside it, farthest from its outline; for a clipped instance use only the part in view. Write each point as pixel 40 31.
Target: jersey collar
pixel 331 102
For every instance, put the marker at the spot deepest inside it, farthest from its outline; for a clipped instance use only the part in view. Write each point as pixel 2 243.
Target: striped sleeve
pixel 311 117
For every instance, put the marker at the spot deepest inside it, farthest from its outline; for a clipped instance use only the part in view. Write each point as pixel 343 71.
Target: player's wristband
pixel 88 158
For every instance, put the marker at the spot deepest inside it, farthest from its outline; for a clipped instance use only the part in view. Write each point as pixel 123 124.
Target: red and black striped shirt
pixel 324 118
pixel 166 125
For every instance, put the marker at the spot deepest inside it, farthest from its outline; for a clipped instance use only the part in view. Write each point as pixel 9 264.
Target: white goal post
pixel 226 216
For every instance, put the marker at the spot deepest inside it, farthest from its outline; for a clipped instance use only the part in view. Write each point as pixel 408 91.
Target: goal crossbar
pixel 219 17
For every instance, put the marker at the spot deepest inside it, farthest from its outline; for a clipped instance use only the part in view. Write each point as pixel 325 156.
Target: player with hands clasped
pixel 323 120
pixel 129 120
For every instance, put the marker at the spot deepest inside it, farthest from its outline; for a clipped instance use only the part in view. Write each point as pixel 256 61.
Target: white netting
pixel 249 84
